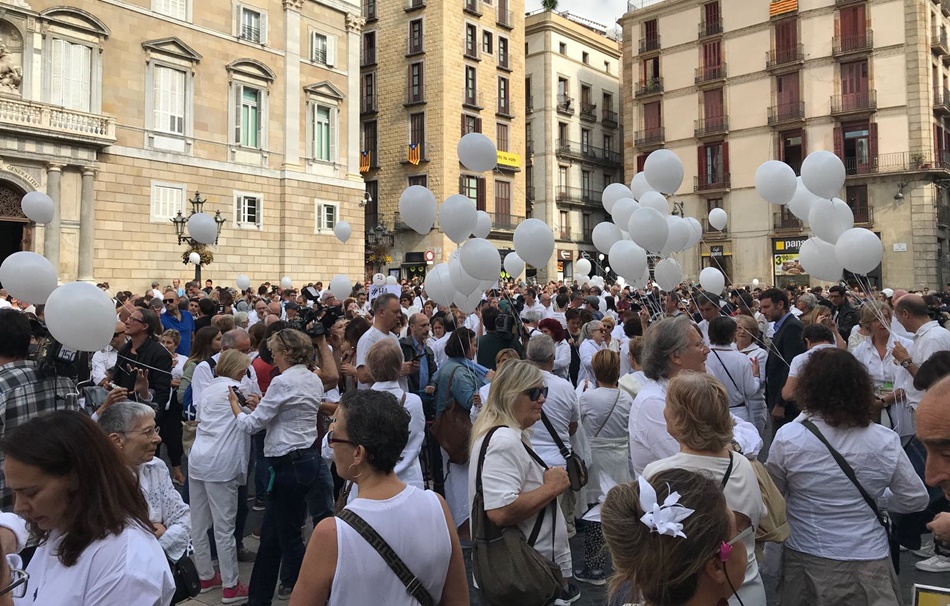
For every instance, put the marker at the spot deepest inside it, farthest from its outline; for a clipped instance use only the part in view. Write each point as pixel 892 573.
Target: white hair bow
pixel 665 518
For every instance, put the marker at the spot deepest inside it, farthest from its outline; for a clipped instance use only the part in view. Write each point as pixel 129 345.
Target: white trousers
pixel 214 504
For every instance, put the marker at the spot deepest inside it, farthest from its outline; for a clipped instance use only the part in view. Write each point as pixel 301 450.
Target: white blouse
pixel 166 507
pixel 221 449
pixel 605 412
pixel 409 469
pixel 288 412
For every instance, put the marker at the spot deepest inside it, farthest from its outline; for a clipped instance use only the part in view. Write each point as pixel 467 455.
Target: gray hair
pixel 382 301
pixel 810 300
pixel 230 338
pixel 123 416
pixel 531 317
pixel 240 318
pixel 662 339
pixel 540 349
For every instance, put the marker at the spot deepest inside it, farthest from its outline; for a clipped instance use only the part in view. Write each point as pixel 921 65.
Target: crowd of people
pixel 709 446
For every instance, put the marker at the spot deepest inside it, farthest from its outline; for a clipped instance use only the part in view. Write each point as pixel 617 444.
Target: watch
pixel 906 363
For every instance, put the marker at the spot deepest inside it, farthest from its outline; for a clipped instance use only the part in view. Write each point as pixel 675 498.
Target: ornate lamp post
pixel 379 244
pixel 180 221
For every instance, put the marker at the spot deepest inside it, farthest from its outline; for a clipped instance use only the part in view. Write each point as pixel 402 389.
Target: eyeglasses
pixel 332 440
pixel 18 583
pixel 151 432
pixel 536 393
pixel 118 334
pixel 170 300
pixel 134 319
pixel 741 536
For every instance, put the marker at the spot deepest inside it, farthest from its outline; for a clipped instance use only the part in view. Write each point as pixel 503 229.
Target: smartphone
pixel 240 396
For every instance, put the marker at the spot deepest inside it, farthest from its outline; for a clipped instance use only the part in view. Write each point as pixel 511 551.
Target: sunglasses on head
pixel 534 394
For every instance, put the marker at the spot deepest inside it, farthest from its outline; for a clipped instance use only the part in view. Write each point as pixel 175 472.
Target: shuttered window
pixel 169 99
pixel 70 75
pixel 171 8
pixel 324 133
pixel 249 117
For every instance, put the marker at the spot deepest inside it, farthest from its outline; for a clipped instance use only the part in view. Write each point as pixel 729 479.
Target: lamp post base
pixel 198 274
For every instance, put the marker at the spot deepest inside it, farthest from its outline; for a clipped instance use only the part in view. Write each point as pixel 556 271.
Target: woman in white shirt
pixel 737 373
pixel 369 434
pixel 697 415
pixel 593 334
pixel 837 544
pixel 562 349
pixel 876 353
pixel 611 343
pixel 96 542
pixel 748 338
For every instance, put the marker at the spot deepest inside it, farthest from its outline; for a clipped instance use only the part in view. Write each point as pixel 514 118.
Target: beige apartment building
pixel 574 134
pixel 728 85
pixel 121 110
pixel 432 72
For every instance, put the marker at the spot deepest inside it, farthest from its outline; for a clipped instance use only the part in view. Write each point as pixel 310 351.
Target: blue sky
pixel 602 11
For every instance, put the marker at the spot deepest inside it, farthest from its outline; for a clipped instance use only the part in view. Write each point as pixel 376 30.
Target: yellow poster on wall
pixel 926 595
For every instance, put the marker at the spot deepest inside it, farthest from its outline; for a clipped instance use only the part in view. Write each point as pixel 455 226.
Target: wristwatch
pixel 906 363
pixel 736 447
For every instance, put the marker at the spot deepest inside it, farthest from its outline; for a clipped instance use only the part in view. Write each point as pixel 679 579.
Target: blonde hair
pixel 504 355
pixel 295 345
pixel 384 360
pixel 232 364
pixel 697 411
pixel 872 311
pixel 751 326
pixel 606 365
pixel 512 379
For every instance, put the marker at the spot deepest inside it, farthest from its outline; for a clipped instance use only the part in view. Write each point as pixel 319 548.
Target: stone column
pixel 51 235
pixel 292 82
pixel 87 225
pixel 354 30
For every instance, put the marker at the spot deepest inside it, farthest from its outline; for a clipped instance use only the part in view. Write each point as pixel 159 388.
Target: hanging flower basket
pixel 207 257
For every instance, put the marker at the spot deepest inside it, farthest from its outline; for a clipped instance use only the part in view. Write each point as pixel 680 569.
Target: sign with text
pixel 509 159
pixel 375 291
pixel 926 595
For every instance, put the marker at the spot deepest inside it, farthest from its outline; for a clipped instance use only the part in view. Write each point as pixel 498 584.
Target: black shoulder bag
pixel 576 467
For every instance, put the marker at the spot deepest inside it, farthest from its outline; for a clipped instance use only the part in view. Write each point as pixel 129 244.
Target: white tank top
pixel 414 525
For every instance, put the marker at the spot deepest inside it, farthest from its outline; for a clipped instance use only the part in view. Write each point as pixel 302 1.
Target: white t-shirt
pixel 798 362
pixel 371 336
pixel 605 412
pixel 561 409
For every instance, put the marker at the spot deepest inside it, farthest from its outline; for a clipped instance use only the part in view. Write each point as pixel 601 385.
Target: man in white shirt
pixel 104 359
pixel 386 316
pixel 546 304
pixel 233 339
pixel 929 337
pixel 531 302
pixel 816 337
pixel 708 304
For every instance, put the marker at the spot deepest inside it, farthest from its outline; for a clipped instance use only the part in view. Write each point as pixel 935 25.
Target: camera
pixel 52 356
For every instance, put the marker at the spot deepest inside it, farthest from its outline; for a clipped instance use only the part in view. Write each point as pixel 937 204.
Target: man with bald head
pixel 929 337
pixel 896 327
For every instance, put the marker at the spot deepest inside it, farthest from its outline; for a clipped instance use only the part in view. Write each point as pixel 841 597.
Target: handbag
pixel 187 581
pixel 453 428
pixel 412 583
pixel 576 467
pixel 507 567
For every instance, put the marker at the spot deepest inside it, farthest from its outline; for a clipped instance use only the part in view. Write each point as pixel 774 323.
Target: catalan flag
pixel 364 161
pixel 414 152
pixel 779 7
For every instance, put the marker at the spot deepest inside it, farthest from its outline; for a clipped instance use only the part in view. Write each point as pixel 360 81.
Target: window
pixel 416 83
pixel 370 141
pixel 503 52
pixel 562 133
pixel 607 66
pixel 565 224
pixel 71 75
pixel 473 188
pixel 501 137
pixel 323 49
pixel 586 222
pixel 179 9
pixel 585 58
pixel 420 180
pixel 562 177
pixel 503 202
pixel 251 26
pixel 248 128
pixel 324 135
pixel 417 131
pixel 247 209
pixel 487 43
pixel 250 83
pixel 415 36
pixel 585 140
pixel 369 93
pixel 169 100
pixel 562 48
pixel 372 204
pixel 167 200
pixel 609 177
pixel 608 143
pixel 369 48
pixel 471 124
pixel 857 198
pixel 327 214
pixel 471 79
pixel 586 183
pixel 471 41
pixel 503 106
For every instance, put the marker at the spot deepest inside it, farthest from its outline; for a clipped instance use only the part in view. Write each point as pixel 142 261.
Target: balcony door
pixel 651 118
pixel 854 85
pixel 712 108
pixel 856 145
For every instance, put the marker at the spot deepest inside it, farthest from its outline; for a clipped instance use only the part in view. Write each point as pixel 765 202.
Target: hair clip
pixel 666 518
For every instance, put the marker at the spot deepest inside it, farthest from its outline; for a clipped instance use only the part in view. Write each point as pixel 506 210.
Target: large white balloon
pixel 823 174
pixel 342 231
pixel 859 250
pixel 514 265
pixel 582 267
pixel 648 228
pixel 438 285
pixel 80 316
pixel 639 185
pixel 830 218
pixel 614 192
pixel 642 281
pixel 605 235
pixel 463 283
pixel 680 233
pixel 819 260
pixel 458 217
pixel 534 242
pixel 801 203
pixel 477 152
pixel 38 207
pixel 654 199
pixel 775 181
pixel 483 225
pixel 341 286
pixel 286 283
pixel 467 303
pixel 479 259
pixel 202 228
pixel 624 209
pixel 194 258
pixel 628 260
pixel 379 279
pixel 712 280
pixel 243 282
pixel 391 281
pixel 28 276
pixel 718 218
pixel 695 234
pixel 417 207
pixel 664 171
pixel 668 274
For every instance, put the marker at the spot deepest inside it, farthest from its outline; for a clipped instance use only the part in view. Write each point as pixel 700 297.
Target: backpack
pixel 188 411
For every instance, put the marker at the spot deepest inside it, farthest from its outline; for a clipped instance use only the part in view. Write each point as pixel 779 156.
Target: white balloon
pixel 479 259
pixel 605 234
pixel 654 199
pixel 639 186
pixel 342 231
pixel 477 152
pixel 801 203
pixel 775 181
pixel 243 282
pixel 458 217
pixel 514 265
pixel 379 279
pixel 859 250
pixel 614 192
pixel 391 281
pixel 668 274
pixel 467 303
pixel 664 171
pixel 648 228
pixel 712 280
pixel 830 218
pixel 641 282
pixel 28 276
pixel 582 267
pixel 417 208
pixel 194 258
pixel 819 260
pixel 463 283
pixel 696 232
pixel 718 218
pixel 483 225
pixel 341 286
pixel 534 242
pixel 438 286
pixel 624 209
pixel 286 283
pixel 202 228
pixel 823 174
pixel 628 259
pixel 680 233
pixel 38 207
pixel 80 316
pixel 755 281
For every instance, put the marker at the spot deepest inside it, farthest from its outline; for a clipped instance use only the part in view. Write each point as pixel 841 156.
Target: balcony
pixel 20 117
pixel 473 100
pixel 785 57
pixel 846 2
pixel 506 19
pixel 609 118
pixel 942 102
pixel 864 102
pixel 569 235
pixel 368 57
pixel 784 220
pixel 711 233
pixel 938 42
pixel 578 195
pixel 649 137
pixel 368 104
pixel 250 34
pixel 373 159
pixel 863 215
pixel 714 126
pixel 505 221
pixel 412 5
pixel 652 86
pixel 649 45
pixel 897 162
pixel 565 105
pixel 786 112
pixel 587 153
pixel 711 74
pixel 861 43
pixel 718 181
pixel 589 112
pixel 710 28
pixel 473 7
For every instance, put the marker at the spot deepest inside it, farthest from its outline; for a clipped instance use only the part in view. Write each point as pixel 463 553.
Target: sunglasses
pixel 139 320
pixel 536 393
pixel 170 300
pixel 332 440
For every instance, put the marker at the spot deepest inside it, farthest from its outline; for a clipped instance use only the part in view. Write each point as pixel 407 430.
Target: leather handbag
pixel 575 465
pixel 453 428
pixel 187 581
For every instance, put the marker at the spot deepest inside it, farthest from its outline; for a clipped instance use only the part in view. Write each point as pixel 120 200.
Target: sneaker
pixel 259 505
pixel 569 595
pixel 935 564
pixel 246 555
pixel 591 577
pixel 926 551
pixel 234 595
pixel 283 592
pixel 212 583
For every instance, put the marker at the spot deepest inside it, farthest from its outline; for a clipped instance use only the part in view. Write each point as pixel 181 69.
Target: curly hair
pixel 837 387
pixel 554 328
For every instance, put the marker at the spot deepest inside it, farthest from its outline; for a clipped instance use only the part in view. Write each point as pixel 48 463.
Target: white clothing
pixel 561 409
pixel 826 513
pixel 203 376
pixel 562 359
pixel 560 317
pixel 408 468
pixel 541 309
pixel 438 349
pixel 898 329
pixel 414 525
pixel 483 394
pixel 508 472
pixel 633 382
pixel 798 362
pixel 166 507
pixel 734 371
pixel 371 336
pixel 214 505
pixel 586 352
pixel 704 328
pixel 456 489
pixel 928 340
pixel 221 450
pixel 625 366
pixel 178 368
pixel 856 338
pixel 605 412
pixel 288 412
pixel 887 376
pixel 102 361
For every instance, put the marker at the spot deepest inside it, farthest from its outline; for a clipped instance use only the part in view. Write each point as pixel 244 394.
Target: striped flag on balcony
pixel 364 161
pixel 413 155
pixel 778 7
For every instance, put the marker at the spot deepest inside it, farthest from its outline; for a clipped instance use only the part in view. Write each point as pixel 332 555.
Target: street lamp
pixel 180 221
pixel 379 242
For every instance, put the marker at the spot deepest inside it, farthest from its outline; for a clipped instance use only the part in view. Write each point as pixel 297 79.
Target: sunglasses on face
pixel 535 393
pixel 170 300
